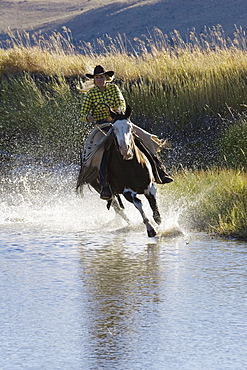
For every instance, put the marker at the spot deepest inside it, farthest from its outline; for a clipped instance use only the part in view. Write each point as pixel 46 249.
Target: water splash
pixel 43 197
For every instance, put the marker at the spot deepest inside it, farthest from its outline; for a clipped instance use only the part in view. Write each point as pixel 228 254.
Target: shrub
pixel 233 145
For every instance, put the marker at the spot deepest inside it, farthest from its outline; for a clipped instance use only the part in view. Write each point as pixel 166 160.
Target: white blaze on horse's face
pixel 123 133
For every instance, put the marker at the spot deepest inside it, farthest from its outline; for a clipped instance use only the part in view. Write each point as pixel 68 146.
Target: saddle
pixel 92 153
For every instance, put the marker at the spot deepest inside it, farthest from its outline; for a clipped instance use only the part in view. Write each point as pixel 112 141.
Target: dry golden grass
pixel 154 60
pixel 205 76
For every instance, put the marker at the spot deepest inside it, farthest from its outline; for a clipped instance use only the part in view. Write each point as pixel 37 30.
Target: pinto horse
pixel 129 171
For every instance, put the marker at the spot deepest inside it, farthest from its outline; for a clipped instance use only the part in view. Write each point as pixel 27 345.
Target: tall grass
pixel 172 85
pixel 165 79
pixel 41 119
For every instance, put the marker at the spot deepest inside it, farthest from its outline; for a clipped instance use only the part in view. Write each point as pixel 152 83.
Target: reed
pixel 171 85
pixel 164 78
pixel 41 119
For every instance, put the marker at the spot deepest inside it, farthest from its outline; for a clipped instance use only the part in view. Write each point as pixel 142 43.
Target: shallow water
pixel 80 290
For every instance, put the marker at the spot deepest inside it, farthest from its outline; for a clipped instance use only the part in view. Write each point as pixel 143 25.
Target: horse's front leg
pixel 131 197
pixel 151 197
pixel 118 208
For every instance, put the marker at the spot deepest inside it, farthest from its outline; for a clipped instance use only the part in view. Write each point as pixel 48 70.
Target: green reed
pixel 40 119
pixel 233 145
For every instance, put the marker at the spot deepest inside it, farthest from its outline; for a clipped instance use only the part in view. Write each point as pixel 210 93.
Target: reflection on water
pixel 79 290
pixel 122 285
pixel 167 305
pixel 117 301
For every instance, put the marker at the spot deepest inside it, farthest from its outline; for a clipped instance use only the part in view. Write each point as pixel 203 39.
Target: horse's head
pixel 122 128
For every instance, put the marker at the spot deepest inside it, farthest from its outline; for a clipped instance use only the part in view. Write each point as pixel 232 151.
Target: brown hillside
pixel 91 19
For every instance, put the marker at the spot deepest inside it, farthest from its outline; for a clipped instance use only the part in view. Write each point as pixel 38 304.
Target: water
pixel 79 290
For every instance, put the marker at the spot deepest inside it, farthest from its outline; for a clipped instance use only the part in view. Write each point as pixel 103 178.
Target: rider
pixel 94 110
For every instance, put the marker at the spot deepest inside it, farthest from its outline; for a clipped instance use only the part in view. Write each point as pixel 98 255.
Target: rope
pixel 91 148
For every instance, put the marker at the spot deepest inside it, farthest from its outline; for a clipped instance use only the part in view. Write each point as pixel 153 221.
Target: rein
pixel 97 126
pixel 91 148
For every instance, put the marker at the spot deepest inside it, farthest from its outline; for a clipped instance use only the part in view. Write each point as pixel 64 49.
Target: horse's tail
pixel 86 176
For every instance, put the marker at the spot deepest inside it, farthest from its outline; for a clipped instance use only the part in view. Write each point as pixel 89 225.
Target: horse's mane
pixel 138 150
pixel 140 156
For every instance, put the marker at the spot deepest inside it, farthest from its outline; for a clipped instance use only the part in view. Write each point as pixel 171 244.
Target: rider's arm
pixel 120 104
pixel 86 109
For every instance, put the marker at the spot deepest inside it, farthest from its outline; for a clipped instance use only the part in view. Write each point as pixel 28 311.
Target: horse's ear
pixel 128 111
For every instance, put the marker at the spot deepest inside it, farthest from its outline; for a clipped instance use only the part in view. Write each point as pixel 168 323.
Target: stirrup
pixel 106 193
pixel 162 177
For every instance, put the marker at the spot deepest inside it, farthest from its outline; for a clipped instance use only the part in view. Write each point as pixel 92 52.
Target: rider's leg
pixel 151 145
pixel 152 142
pixel 159 172
pixel 106 192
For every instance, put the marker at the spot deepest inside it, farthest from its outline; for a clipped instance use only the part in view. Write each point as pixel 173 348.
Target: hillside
pixel 92 19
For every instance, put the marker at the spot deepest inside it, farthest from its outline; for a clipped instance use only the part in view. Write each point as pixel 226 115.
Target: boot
pixel 161 176
pixel 106 193
pixel 164 178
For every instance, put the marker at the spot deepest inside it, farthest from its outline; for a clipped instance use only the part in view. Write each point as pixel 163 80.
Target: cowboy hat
pixel 99 70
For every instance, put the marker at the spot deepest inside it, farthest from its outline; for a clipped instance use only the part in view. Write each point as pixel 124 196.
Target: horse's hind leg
pixel 151 197
pixel 131 197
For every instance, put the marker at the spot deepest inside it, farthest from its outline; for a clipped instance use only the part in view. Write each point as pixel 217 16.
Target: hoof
pixel 151 233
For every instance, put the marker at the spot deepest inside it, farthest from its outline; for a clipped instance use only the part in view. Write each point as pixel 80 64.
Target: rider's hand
pixel 90 118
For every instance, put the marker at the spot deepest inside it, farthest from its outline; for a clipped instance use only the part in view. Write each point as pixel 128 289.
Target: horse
pixel 129 171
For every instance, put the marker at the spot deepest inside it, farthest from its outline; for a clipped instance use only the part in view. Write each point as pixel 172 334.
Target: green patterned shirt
pixel 111 96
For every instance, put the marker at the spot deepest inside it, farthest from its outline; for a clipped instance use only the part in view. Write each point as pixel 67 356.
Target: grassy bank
pixel 214 201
